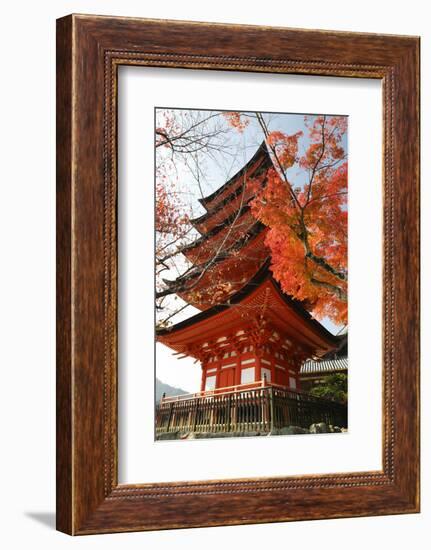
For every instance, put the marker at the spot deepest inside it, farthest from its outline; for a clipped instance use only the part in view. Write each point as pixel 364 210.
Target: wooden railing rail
pixel 218 391
pixel 235 389
pixel 257 409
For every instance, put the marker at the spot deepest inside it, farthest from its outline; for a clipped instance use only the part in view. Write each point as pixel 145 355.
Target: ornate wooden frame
pixel 89 51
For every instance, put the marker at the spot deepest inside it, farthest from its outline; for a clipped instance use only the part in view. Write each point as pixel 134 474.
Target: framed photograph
pixel 237 274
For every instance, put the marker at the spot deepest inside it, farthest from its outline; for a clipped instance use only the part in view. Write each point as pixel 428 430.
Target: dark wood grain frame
pixel 89 51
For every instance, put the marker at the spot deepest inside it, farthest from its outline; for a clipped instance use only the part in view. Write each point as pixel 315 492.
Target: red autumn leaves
pixel 307 218
pixel 303 203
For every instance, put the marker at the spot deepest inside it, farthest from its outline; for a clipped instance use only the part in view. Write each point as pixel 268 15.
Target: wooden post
pixel 228 419
pixel 271 407
pixel 195 415
pixel 262 402
pixel 266 409
pixel 169 417
pixel 204 377
pixel 298 379
pixel 273 368
pixel 218 373
pixel 258 368
pixel 238 369
pixel 233 413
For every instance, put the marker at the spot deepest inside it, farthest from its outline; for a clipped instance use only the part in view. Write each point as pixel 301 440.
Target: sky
pixel 185 373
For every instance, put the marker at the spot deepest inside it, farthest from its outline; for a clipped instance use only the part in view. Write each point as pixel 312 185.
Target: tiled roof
pixel 330 365
pixel 251 286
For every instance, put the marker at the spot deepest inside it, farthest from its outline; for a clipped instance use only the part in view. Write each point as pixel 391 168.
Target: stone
pixel 319 428
pixel 289 430
pixel 167 436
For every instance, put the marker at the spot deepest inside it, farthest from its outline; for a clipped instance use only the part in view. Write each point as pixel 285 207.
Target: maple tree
pixel 303 205
pixel 183 139
pixel 306 213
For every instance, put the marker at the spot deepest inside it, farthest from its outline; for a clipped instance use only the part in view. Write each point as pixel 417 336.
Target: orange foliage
pixel 236 120
pixel 170 219
pixel 308 222
pixel 285 147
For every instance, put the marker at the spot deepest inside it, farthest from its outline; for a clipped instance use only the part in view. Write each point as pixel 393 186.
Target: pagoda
pixel 249 332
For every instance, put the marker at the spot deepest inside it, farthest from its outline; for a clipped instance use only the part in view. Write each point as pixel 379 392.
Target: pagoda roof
pixel 222 223
pixel 261 296
pixel 260 157
pixel 231 219
pixel 228 232
pixel 196 270
pixel 219 207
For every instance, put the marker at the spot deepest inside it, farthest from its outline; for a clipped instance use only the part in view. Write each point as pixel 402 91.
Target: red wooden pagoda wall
pixel 250 366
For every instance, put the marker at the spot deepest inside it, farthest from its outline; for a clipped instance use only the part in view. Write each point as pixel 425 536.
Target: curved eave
pixel 197 221
pixel 261 276
pixel 248 238
pixel 254 229
pixel 261 152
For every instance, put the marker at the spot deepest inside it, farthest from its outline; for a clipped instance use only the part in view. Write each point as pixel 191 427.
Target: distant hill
pixel 162 388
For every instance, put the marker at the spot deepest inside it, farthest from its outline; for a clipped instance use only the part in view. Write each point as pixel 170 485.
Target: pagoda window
pixel 210 383
pixel 247 375
pixel 292 382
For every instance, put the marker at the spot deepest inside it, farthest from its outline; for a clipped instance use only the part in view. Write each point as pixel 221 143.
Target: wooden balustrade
pixel 246 409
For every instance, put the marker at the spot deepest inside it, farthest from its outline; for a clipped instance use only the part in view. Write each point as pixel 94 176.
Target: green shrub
pixel 333 387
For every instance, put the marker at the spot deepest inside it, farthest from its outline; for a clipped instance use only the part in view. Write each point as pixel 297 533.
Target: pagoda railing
pixel 244 409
